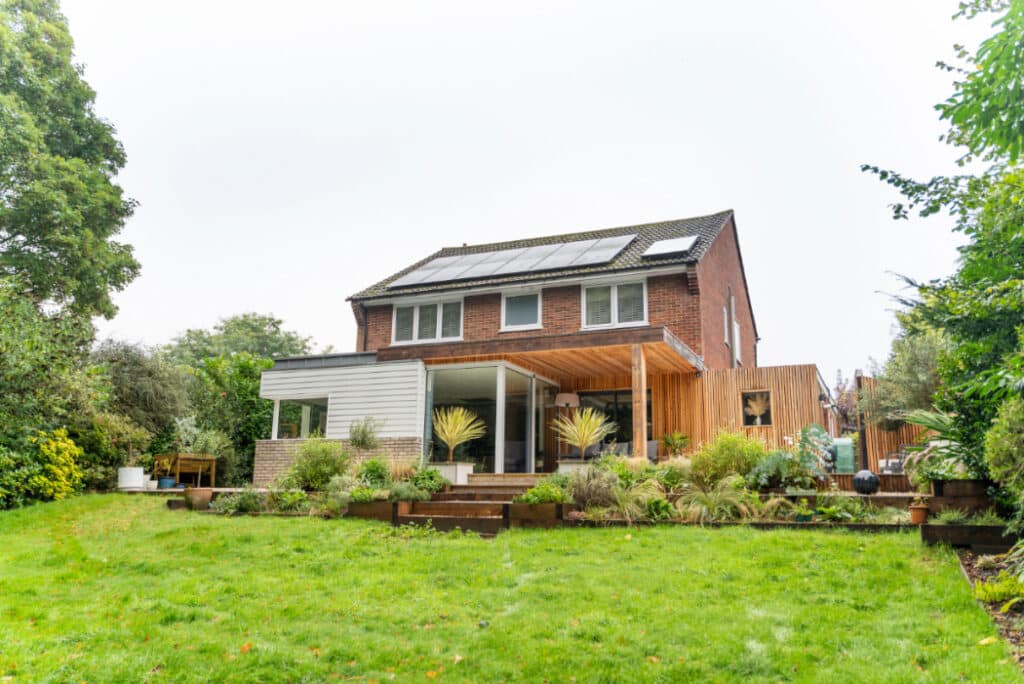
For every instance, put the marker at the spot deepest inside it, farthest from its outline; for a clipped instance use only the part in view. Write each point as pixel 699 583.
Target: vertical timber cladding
pixel 794 396
pixel 881 442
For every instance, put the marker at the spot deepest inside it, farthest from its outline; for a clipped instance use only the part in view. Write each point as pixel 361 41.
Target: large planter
pixel 374 510
pixel 960 488
pixel 569 467
pixel 198 498
pixel 457 472
pixel 131 479
pixel 980 538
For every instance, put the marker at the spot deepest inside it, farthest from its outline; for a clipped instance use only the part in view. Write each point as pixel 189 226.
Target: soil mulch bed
pixel 1011 623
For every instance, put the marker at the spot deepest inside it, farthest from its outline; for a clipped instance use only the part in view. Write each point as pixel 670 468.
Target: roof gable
pixel 704 228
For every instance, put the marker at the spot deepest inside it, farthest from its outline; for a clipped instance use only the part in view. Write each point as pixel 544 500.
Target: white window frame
pixel 614 305
pixel 416 304
pixel 526 326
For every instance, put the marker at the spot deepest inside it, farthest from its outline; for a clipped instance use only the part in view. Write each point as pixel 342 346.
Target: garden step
pixel 504 497
pixel 466 509
pixel 488 526
pixel 505 480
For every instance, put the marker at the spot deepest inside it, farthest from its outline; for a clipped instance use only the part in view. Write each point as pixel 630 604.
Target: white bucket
pixel 130 478
pixel 151 485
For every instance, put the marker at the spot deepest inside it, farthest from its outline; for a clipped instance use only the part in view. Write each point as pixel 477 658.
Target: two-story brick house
pixel 652 324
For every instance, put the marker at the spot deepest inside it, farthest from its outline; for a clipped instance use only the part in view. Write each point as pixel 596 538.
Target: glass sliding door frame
pixel 500 368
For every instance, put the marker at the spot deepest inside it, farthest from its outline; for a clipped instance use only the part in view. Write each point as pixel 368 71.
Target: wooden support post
pixel 639 402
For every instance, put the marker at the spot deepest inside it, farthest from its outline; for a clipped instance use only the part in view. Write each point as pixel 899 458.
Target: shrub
pixel 778 470
pixel 429 479
pixel 730 453
pixel 660 509
pixel 634 503
pixel 316 462
pixel 724 499
pixel 362 434
pixel 400 472
pixel 989 517
pixel 674 474
pixel 1004 587
pixel 108 442
pixel 246 501
pixel 288 501
pixel 1004 446
pixel 628 470
pixel 375 473
pixel 952 516
pixel 218 444
pixel 545 491
pixel 583 428
pixel 363 495
pixel 593 487
pixel 337 494
pixel 407 491
pixel 835 506
pixel 53 471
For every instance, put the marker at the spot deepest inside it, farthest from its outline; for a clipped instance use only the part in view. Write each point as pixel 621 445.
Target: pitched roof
pixel 706 228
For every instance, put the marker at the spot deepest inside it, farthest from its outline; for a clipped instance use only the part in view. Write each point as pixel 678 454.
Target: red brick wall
pixel 717 273
pixel 274 456
pixel 669 303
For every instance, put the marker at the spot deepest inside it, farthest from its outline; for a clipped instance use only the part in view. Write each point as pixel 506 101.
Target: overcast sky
pixel 286 155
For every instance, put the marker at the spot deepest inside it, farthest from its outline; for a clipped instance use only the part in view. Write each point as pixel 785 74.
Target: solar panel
pixel 605 250
pixel 672 246
pixel 518 260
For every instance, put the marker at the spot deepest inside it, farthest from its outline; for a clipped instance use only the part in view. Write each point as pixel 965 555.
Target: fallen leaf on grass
pixel 246 647
pixel 431 674
pixel 654 659
pixel 458 658
pixel 988 640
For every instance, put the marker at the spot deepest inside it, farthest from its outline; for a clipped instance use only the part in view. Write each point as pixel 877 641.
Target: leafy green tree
pixel 256 334
pixel 41 378
pixel 225 394
pixel 909 380
pixel 980 308
pixel 145 386
pixel 59 205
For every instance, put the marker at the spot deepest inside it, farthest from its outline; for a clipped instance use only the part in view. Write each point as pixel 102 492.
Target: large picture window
pixel 520 312
pixel 617 406
pixel 427 322
pixel 614 305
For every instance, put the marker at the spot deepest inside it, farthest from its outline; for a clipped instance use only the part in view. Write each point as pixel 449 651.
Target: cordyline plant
pixel 584 428
pixel 456 425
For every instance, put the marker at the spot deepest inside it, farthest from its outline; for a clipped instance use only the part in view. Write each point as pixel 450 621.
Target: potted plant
pixel 803 512
pixel 674 443
pixel 918 511
pixel 162 466
pixel 455 425
pixel 582 429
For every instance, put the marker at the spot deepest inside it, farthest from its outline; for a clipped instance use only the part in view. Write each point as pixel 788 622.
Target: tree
pixel 456 425
pixel 41 356
pixel 256 334
pixel 583 428
pixel 908 381
pixel 980 307
pixel 59 205
pixel 145 387
pixel 225 394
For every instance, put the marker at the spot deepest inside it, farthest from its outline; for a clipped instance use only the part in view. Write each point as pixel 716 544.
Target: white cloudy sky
pixel 285 155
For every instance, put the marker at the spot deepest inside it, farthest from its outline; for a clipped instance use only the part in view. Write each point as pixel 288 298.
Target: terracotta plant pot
pixel 198 498
pixel 918 514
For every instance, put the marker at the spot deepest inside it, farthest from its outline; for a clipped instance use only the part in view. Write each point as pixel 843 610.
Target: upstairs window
pixel 520 312
pixel 614 305
pixel 427 322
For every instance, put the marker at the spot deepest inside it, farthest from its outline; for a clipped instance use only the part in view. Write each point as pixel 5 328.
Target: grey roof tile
pixel 706 227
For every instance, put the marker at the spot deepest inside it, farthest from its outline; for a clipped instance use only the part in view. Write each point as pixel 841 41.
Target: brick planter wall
pixel 274 456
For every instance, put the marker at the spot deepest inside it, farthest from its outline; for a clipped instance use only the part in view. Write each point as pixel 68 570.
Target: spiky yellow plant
pixel 584 428
pixel 456 425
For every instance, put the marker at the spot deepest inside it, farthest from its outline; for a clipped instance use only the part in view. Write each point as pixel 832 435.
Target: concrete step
pixel 465 509
pixel 488 527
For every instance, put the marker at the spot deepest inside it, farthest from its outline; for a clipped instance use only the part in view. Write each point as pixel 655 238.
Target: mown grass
pixel 119 589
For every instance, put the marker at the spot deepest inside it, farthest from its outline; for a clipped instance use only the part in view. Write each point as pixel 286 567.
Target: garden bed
pixel 978 538
pixel 1010 623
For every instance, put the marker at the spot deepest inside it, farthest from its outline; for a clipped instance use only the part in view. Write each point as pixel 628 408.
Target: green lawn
pixel 117 588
